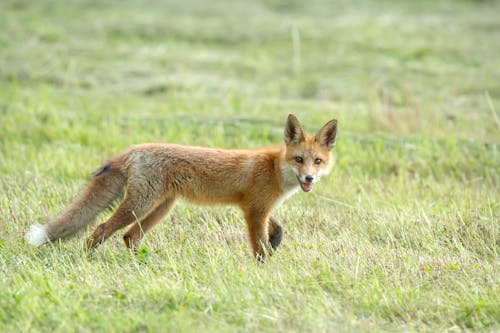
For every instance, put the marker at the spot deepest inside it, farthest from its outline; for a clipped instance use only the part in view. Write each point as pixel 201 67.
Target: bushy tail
pixel 106 186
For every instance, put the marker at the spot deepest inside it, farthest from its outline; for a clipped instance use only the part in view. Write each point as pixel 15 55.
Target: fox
pixel 149 178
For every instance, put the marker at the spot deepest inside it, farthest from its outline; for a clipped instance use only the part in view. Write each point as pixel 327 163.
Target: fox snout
pixel 306 181
pixel 306 178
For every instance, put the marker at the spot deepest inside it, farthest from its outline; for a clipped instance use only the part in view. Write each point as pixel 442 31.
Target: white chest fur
pixel 285 196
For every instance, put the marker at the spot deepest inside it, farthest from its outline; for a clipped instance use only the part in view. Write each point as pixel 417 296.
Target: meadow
pixel 402 236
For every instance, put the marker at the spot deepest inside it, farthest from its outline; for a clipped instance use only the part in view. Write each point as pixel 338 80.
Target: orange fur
pixel 156 174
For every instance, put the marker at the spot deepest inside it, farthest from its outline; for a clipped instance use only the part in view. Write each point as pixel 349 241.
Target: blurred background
pixel 405 67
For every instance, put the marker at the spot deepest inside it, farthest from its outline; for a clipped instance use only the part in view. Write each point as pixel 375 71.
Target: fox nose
pixel 309 179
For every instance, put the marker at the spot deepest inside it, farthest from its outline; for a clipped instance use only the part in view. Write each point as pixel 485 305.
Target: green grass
pixel 403 236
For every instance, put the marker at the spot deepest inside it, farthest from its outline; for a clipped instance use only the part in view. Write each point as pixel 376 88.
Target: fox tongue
pixel 306 187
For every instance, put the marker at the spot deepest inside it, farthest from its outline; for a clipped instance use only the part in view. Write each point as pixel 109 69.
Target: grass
pixel 403 236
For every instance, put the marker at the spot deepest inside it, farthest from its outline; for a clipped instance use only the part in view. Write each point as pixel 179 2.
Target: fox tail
pixel 105 187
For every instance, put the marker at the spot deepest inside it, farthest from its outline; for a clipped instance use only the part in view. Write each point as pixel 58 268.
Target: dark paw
pixel 275 239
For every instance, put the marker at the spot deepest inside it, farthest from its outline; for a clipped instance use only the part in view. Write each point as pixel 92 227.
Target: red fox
pixel 154 175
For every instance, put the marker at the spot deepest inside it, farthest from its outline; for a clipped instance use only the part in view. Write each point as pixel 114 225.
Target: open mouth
pixel 306 187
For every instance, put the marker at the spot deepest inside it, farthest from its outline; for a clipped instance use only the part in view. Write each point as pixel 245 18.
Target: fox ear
pixel 294 134
pixel 327 134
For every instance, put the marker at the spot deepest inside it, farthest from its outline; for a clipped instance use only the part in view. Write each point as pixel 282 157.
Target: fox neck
pixel 288 177
pixel 287 180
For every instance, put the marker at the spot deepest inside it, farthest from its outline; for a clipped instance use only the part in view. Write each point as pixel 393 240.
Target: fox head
pixel 309 156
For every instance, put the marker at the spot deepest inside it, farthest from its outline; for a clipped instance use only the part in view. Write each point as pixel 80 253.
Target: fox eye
pixel 318 161
pixel 299 159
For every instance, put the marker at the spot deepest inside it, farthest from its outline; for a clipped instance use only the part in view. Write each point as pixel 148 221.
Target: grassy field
pixel 403 236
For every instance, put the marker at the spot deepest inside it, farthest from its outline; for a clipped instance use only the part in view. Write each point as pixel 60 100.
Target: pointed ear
pixel 294 134
pixel 327 134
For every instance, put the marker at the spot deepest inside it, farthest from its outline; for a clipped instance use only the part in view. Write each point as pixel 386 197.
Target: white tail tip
pixel 37 235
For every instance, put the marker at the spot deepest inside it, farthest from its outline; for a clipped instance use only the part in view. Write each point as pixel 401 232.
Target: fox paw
pixel 275 239
pixel 98 236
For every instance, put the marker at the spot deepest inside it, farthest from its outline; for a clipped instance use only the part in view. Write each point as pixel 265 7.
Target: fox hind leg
pixel 133 208
pixel 135 234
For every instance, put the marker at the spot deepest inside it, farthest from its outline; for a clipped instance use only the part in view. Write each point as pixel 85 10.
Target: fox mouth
pixel 306 187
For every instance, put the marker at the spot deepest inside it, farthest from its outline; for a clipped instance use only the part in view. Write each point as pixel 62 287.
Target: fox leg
pixel 135 234
pixel 134 207
pixel 275 233
pixel 258 233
